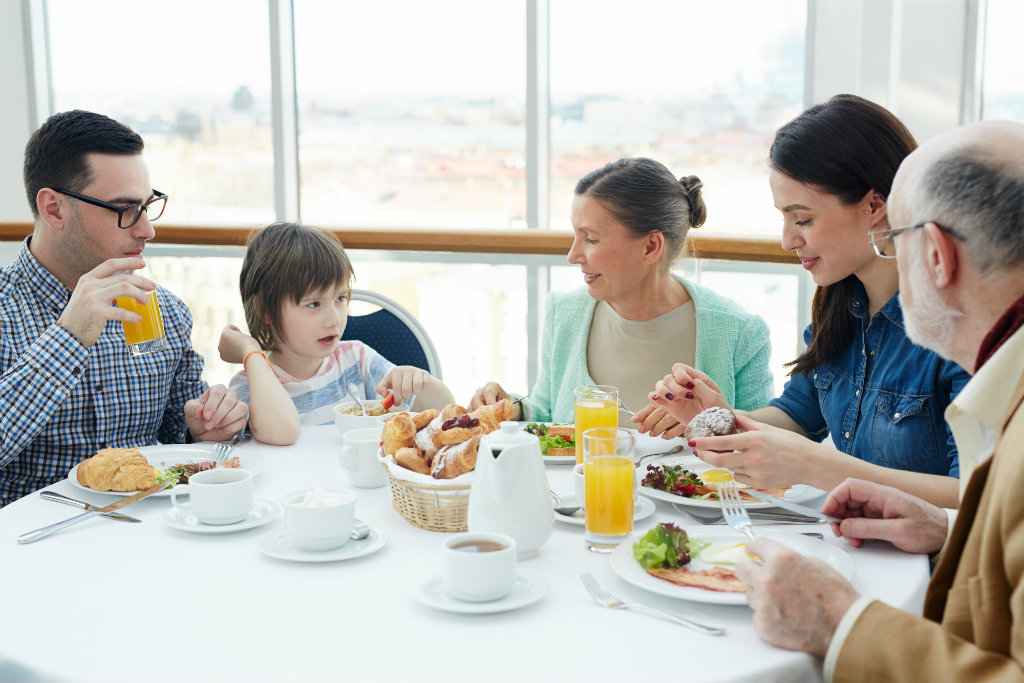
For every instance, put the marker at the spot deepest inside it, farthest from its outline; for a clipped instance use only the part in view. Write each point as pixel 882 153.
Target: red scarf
pixel 1004 328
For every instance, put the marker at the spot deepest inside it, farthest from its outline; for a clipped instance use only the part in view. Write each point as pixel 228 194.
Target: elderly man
pixel 68 385
pixel 961 268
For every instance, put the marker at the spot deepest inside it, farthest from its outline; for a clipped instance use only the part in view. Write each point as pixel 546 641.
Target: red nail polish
pixel 690 385
pixel 691 444
pixel 689 394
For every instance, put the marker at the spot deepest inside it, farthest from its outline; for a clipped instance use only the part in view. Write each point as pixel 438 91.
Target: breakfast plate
pixel 165 455
pixel 630 571
pixel 263 511
pixel 798 493
pixel 559 459
pixel 642 509
pixel 529 589
pixel 278 545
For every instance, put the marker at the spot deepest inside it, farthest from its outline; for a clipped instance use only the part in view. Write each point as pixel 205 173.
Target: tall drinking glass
pixel 597 405
pixel 147 335
pixel 609 481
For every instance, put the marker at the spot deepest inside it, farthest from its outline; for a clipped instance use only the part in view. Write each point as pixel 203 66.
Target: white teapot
pixel 510 493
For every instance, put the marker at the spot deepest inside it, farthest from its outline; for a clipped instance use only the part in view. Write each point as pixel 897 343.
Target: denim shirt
pixel 882 397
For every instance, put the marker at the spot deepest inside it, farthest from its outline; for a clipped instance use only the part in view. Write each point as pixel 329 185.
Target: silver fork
pixel 606 599
pixel 623 406
pixel 221 452
pixel 732 509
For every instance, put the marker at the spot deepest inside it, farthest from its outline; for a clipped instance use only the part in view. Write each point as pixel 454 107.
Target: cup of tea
pixel 478 567
pixel 320 519
pixel 147 335
pixel 218 496
pixel 359 458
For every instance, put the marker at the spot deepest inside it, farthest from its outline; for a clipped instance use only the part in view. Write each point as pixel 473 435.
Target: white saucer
pixel 529 589
pixel 262 512
pixel 642 509
pixel 277 544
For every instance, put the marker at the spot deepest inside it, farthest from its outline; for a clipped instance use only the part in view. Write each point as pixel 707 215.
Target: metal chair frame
pixel 409 320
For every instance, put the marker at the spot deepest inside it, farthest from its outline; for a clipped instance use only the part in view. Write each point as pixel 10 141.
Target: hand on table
pixel 798 601
pixel 90 307
pixel 491 393
pixel 875 511
pixel 217 415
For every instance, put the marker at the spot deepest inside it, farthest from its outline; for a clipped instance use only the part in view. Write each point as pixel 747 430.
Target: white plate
pixel 262 512
pixel 277 544
pixel 798 493
pixel 642 509
pixel 624 564
pixel 529 589
pixel 165 455
pixel 559 459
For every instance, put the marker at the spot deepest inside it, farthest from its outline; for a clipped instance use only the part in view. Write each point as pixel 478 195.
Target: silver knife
pixel 33 536
pixel 805 510
pixel 58 498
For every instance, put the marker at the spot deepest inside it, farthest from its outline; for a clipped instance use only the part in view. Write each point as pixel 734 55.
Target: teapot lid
pixel 511 434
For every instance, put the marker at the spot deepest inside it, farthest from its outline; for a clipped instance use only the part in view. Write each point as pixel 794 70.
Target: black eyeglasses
pixel 885 246
pixel 127 216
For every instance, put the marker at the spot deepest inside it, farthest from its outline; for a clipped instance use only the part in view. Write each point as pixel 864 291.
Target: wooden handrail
pixel 471 241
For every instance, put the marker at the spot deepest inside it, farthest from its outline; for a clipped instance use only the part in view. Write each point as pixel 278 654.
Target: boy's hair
pixel 55 154
pixel 286 261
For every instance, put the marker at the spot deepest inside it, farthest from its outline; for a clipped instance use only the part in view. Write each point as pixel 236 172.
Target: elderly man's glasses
pixel 884 241
pixel 127 216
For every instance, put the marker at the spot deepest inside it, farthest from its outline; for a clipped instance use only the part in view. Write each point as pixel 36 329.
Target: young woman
pixel 635 317
pixel 878 395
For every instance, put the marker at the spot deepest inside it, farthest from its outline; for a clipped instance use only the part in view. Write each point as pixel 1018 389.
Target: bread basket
pixel 434 507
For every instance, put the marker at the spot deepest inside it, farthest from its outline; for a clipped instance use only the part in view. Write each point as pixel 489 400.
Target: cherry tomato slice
pixel 388 401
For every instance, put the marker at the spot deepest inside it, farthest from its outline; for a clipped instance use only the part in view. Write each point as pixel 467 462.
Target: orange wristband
pixel 257 351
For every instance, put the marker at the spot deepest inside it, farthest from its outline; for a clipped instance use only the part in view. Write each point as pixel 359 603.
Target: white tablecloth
pixel 110 601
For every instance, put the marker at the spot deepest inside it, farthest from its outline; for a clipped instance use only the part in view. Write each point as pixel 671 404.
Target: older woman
pixel 861 380
pixel 635 317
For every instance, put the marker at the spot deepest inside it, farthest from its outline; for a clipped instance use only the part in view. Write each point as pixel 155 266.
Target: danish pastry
pixel 451 461
pixel 116 469
pixel 711 422
pixel 412 459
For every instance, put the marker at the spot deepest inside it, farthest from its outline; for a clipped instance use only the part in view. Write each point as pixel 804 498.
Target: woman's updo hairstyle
pixel 644 196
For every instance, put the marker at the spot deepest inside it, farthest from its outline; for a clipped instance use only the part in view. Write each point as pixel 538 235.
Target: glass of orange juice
pixel 147 335
pixel 597 405
pixel 609 482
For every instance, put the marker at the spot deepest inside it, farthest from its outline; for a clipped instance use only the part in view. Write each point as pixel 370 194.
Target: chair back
pixel 393 332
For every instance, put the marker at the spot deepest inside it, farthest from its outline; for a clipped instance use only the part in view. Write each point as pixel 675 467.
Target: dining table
pixel 112 601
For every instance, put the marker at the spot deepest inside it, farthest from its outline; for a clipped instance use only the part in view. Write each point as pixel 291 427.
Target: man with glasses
pixel 961 271
pixel 68 385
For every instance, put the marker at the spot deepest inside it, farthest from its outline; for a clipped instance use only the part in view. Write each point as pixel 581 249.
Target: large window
pixel 193 78
pixel 1003 86
pixel 412 114
pixel 699 86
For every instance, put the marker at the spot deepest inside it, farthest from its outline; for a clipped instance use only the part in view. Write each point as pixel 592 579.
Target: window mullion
pixel 284 105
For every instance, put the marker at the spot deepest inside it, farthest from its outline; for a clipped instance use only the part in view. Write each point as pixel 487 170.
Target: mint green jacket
pixel 732 348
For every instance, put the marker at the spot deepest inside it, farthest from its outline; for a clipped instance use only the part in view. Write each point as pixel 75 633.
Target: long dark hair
pixel 845 147
pixel 644 196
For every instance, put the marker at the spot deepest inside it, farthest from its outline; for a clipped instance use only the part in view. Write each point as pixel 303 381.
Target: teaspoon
pixel 361 531
pixel 351 389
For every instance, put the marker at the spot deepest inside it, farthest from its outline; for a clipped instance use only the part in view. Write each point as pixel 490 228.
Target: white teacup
pixel 478 567
pixel 218 496
pixel 578 486
pixel 320 519
pixel 359 458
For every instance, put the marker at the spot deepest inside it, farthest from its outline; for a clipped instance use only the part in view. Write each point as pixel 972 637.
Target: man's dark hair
pixel 55 155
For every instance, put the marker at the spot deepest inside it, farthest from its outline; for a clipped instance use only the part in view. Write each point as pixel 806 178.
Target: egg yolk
pixel 716 476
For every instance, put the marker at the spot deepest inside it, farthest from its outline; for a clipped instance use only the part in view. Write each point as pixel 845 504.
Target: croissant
pixel 424 439
pixel 422 419
pixel 412 459
pixel 116 469
pixel 399 432
pixel 493 415
pixel 451 461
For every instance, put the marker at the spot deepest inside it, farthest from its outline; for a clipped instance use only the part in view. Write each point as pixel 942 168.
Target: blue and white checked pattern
pixel 61 402
pixel 315 398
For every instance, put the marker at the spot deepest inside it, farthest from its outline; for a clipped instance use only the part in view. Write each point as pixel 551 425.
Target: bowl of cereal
pixel 348 415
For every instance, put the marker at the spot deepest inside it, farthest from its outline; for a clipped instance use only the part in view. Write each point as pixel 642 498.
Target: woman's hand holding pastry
pixel 403 381
pixel 759 454
pixel 234 344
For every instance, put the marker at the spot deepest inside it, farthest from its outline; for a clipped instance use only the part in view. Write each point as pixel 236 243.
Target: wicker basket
pixel 434 508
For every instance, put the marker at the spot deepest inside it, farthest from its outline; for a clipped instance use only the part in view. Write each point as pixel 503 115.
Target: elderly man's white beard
pixel 930 322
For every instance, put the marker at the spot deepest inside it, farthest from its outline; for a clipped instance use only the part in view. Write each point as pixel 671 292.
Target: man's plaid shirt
pixel 60 402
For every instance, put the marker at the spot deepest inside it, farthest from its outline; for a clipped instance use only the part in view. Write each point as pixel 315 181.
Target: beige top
pixel 633 356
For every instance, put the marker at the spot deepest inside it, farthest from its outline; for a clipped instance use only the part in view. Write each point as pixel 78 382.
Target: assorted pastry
pixel 442 444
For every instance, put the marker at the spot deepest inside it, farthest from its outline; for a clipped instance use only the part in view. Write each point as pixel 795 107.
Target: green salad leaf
pixel 666 545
